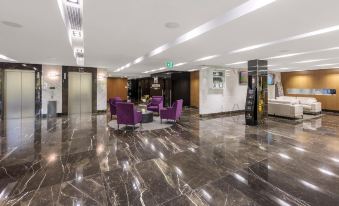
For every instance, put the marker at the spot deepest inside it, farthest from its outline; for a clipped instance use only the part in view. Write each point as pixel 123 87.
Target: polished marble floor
pixel 215 161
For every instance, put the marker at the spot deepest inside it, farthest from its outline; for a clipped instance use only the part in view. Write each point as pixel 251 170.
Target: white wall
pixel 102 89
pixel 51 77
pixel 232 97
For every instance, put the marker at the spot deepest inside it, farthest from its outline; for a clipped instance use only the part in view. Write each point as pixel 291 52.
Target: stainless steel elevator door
pixel 19 94
pixel 79 93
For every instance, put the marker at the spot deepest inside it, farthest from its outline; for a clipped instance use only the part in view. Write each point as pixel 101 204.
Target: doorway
pixel 19 89
pixel 79 93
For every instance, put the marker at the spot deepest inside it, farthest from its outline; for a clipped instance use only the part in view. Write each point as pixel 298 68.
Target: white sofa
pixel 285 109
pixel 310 104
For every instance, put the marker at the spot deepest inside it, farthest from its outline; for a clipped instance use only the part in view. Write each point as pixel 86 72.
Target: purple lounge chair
pixel 173 112
pixel 112 105
pixel 156 104
pixel 127 114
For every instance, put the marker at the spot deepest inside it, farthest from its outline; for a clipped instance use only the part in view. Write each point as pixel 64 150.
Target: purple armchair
pixel 156 104
pixel 112 105
pixel 173 112
pixel 127 114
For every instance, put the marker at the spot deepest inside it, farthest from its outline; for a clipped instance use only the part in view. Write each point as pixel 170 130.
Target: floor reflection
pixel 213 161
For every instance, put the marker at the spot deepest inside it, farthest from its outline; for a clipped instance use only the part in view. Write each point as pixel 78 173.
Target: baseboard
pixel 230 113
pixel 58 115
pixel 328 110
pixel 101 111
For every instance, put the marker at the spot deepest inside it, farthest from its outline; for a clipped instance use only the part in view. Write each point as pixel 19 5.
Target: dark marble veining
pixel 79 160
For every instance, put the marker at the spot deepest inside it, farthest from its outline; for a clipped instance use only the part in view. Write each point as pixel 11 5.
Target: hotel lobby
pixel 169 103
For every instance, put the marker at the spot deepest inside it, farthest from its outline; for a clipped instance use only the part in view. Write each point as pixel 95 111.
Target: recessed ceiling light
pixel 297 37
pixel 11 24
pixel 207 58
pixel 172 25
pixel 192 70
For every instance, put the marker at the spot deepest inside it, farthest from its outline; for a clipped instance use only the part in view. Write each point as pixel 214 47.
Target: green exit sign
pixel 169 64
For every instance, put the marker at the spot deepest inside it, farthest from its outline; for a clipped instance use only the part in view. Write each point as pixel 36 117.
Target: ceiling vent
pixel 71 12
pixel 74 15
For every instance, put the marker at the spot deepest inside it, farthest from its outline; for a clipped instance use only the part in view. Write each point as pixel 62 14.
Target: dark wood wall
pixel 117 87
pixel 314 79
pixel 194 89
pixel 181 87
pixel 144 86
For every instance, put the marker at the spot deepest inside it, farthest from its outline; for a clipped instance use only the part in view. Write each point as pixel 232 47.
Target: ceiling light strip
pixel 72 15
pixel 7 58
pixel 242 10
pixel 292 38
pixel 303 53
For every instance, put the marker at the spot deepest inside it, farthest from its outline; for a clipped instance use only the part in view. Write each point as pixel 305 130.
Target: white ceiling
pixel 118 32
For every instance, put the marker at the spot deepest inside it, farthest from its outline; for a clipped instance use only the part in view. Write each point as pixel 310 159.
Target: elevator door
pixel 19 94
pixel 79 92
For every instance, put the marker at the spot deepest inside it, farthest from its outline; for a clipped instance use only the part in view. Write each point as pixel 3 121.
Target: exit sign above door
pixel 169 64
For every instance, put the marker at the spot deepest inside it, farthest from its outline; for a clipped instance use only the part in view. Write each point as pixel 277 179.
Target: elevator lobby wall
pixel 51 85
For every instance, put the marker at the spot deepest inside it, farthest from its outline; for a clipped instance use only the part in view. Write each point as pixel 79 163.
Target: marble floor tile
pixel 79 160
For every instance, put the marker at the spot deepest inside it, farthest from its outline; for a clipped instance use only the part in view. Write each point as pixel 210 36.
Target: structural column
pixel 256 101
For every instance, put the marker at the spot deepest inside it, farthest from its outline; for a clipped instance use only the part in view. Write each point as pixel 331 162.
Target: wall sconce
pixel 101 76
pixel 53 75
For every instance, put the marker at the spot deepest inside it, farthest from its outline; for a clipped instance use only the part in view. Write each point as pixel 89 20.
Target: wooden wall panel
pixel 117 87
pixel 194 89
pixel 314 79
